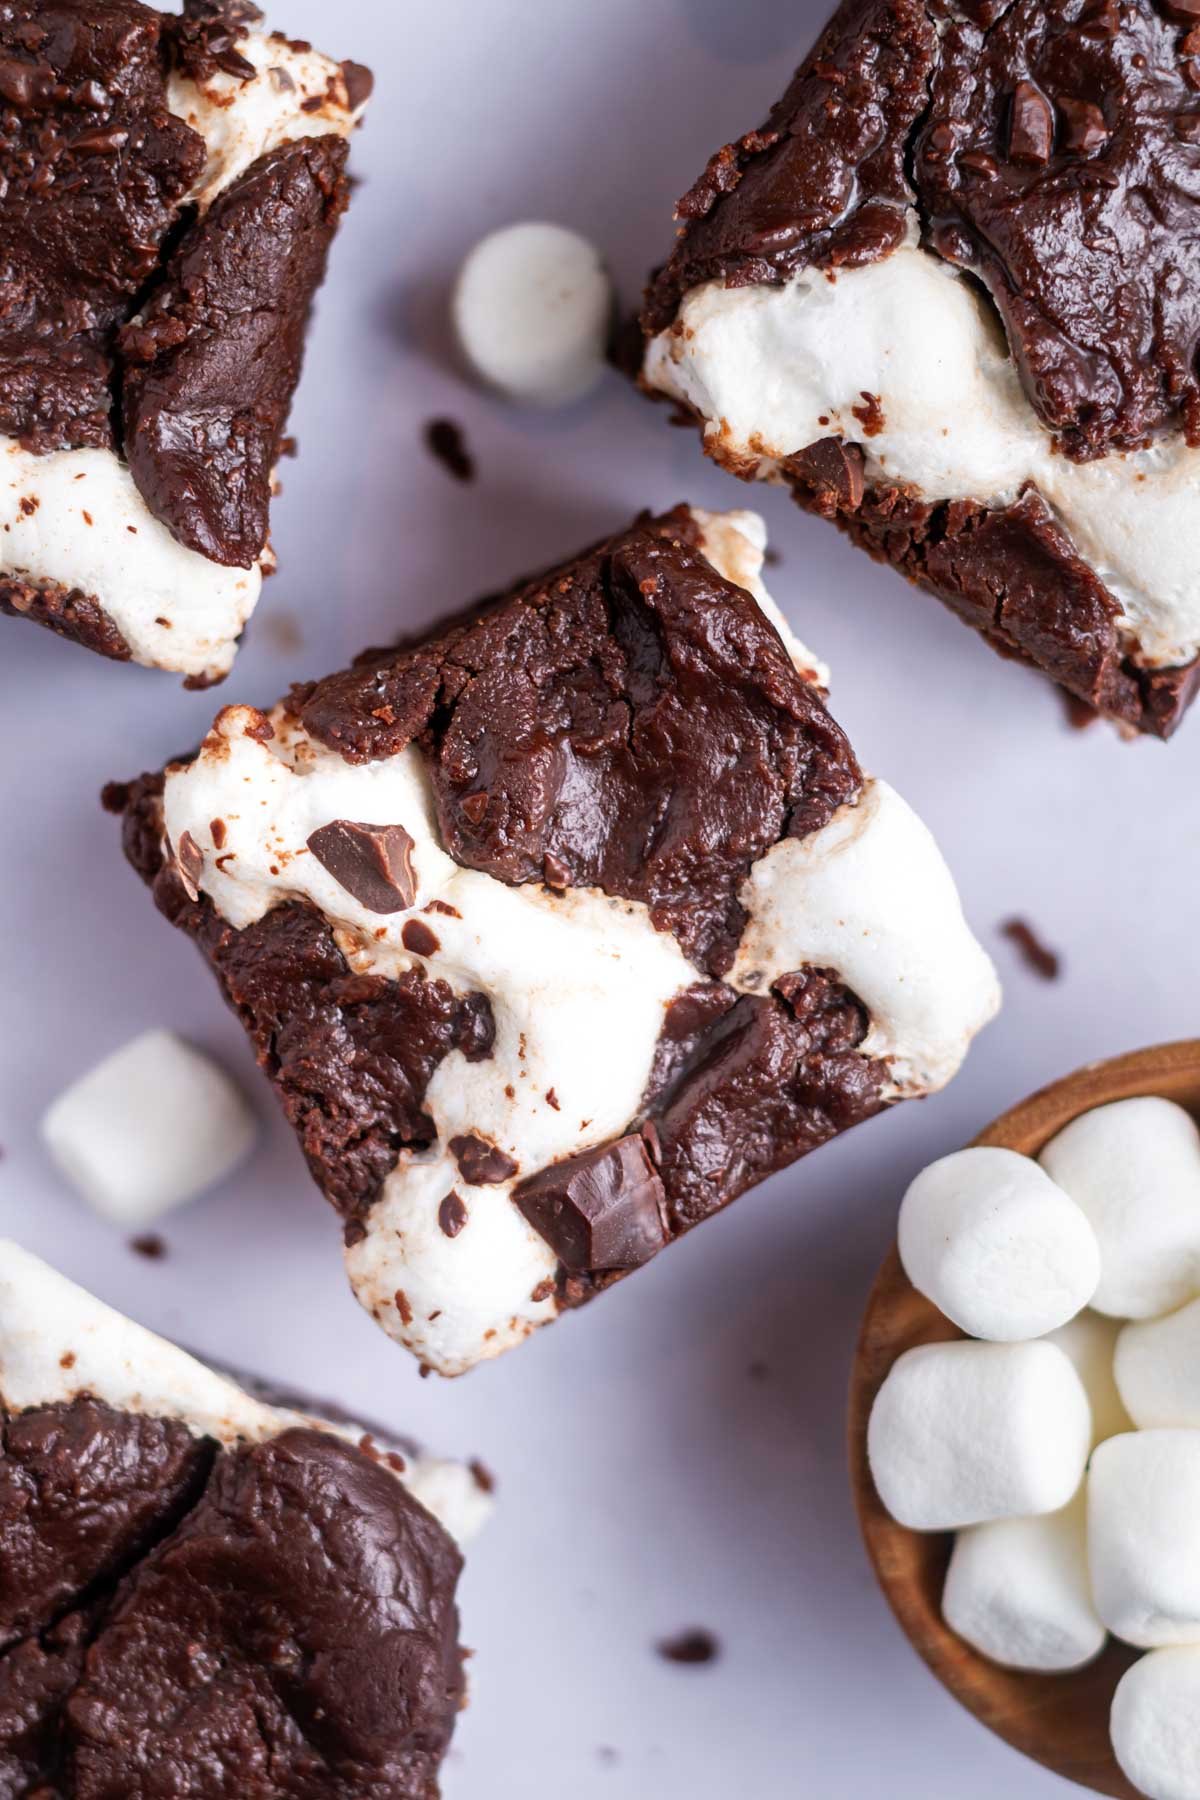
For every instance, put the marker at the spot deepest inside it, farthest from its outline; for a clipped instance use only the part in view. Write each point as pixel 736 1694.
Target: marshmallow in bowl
pixel 1018 1591
pixel 1157 1369
pixel 143 403
pixel 493 910
pixel 1144 1536
pixel 996 1245
pixel 147 1129
pixel 533 309
pixel 1134 1168
pixel 1090 1340
pixel 965 1432
pixel 1155 1724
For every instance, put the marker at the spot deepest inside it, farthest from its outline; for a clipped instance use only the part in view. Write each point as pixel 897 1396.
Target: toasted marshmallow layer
pixel 773 369
pixel 90 528
pixel 578 982
pixel 58 1342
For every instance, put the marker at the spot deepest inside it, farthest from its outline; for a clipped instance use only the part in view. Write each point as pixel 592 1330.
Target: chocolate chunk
pixel 204 39
pixel 372 862
pixel 212 362
pixel 600 1210
pixel 690 1647
pixel 417 937
pixel 1031 125
pixel 1086 127
pixel 584 725
pixel 834 472
pixel 482 1164
pixel 190 861
pixel 1184 12
pixel 452 1214
pixel 360 84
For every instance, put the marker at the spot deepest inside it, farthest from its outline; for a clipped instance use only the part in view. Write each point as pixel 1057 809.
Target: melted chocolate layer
pixel 182 1622
pixel 65 611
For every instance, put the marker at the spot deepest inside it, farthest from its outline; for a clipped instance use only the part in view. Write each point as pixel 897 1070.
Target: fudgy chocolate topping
pixel 182 1622
pixel 1052 150
pixel 205 38
pixel 65 611
pixel 213 362
pixel 630 722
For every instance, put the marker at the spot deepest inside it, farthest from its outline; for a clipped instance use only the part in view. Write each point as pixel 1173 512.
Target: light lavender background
pixel 648 1480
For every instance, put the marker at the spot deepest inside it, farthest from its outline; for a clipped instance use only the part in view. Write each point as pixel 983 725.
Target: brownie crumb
pixel 1079 714
pixel 149 1245
pixel 446 443
pixel 483 1478
pixel 1035 954
pixel 692 1647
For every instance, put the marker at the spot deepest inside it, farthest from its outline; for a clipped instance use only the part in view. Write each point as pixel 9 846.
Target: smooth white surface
pixel 532 308
pixel 1018 1590
pixel 1144 1536
pixel 1156 1724
pixel 676 1454
pixel 1157 1369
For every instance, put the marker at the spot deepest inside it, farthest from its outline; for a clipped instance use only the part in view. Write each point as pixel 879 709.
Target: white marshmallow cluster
pixel 147 1129
pixel 532 308
pixel 58 1342
pixel 76 517
pixel 547 962
pixel 773 369
pixel 1077 1500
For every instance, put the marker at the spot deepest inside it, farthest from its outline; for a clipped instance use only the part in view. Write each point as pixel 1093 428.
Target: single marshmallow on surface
pixel 1157 1369
pixel 532 309
pixel 1090 1340
pixel 997 1246
pixel 1155 1724
pixel 1134 1168
pixel 58 1342
pixel 1017 1590
pixel 962 1433
pixel 1144 1536
pixel 148 1128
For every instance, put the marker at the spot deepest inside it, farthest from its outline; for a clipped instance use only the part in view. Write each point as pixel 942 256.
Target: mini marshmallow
pixel 1090 1341
pixel 997 1246
pixel 1155 1724
pixel 1144 1536
pixel 532 309
pixel 961 1433
pixel 1134 1168
pixel 1157 1369
pixel 148 1128
pixel 1017 1590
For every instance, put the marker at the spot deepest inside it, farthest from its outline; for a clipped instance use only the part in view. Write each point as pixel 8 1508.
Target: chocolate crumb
pixel 445 442
pixel 418 938
pixel 481 1163
pixel 1036 955
pixel 149 1245
pixel 690 1647
pixel 403 1307
pixel 870 414
pixel 483 1477
pixel 67 1360
pixel 452 1214
pixel 217 833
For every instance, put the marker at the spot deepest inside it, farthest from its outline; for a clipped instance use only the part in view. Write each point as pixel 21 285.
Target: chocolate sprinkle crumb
pixel 149 1245
pixel 690 1647
pixel 445 442
pixel 1036 955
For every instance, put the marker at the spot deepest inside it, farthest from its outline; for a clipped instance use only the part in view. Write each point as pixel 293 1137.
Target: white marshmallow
pixel 57 1342
pixel 532 309
pixel 546 961
pixel 1157 1369
pixel 1155 1724
pixel 963 1432
pixel 151 1126
pixel 1144 1536
pixel 1017 1590
pixel 988 1237
pixel 1134 1168
pixel 1090 1341
pixel 772 369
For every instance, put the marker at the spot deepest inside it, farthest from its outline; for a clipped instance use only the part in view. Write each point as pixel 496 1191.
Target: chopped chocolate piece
pixel 417 937
pixel 360 83
pixel 694 1647
pixel 1031 126
pixel 150 1245
pixel 213 360
pixel 1086 128
pixel 452 1215
pixel 190 861
pixel 482 1164
pixel 602 1209
pixel 372 862
pixel 1043 961
pixel 446 443
pixel 204 39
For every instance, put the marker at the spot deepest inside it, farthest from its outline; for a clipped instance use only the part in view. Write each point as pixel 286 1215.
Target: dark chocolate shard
pixel 372 862
pixel 600 1210
pixel 482 1164
pixel 213 361
pixel 452 1214
pixel 1085 127
pixel 189 859
pixel 1031 125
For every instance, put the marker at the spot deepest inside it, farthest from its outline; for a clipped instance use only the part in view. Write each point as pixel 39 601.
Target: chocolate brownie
pixel 171 186
pixel 202 1595
pixel 549 932
pixel 948 294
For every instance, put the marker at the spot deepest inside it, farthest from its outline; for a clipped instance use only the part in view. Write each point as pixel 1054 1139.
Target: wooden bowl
pixel 1060 1721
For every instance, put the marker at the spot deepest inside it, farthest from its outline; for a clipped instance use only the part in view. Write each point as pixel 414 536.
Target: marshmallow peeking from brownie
pixel 197 1581
pixel 171 188
pixel 558 931
pixel 949 295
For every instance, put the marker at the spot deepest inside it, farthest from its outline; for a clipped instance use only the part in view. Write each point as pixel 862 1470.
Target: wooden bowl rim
pixel 1027 1127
